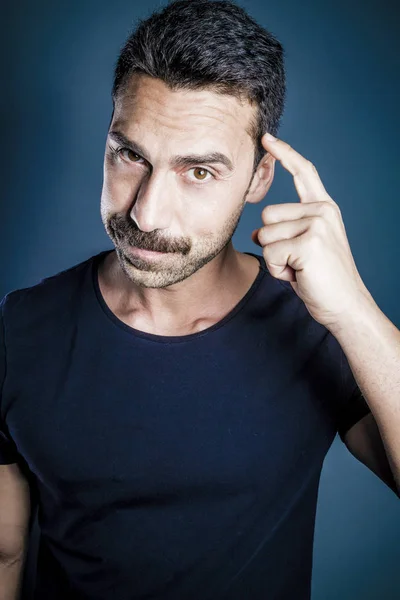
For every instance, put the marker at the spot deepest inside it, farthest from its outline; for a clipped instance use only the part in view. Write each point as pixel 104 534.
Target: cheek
pixel 200 213
pixel 119 190
pixel 207 226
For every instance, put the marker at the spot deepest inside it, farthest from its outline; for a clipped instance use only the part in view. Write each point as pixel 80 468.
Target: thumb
pixel 254 236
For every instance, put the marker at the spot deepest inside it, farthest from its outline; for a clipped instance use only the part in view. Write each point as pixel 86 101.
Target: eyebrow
pixel 175 161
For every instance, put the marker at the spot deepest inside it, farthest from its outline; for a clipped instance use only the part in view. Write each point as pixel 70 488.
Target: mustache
pixel 123 231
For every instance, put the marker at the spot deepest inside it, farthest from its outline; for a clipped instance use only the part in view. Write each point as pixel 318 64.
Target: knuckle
pixel 336 209
pixel 267 212
pixel 326 209
pixel 318 224
pixel 311 166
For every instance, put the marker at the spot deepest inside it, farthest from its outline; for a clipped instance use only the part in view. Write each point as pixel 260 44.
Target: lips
pixel 146 253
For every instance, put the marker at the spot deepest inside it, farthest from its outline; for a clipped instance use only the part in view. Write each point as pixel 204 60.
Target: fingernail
pixel 270 137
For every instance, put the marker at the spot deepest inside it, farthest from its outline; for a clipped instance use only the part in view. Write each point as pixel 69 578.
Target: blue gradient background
pixel 342 61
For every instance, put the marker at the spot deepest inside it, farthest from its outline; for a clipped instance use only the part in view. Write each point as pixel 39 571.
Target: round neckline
pixel 171 338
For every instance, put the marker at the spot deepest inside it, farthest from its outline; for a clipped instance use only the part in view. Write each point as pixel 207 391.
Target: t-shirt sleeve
pixel 354 406
pixel 8 450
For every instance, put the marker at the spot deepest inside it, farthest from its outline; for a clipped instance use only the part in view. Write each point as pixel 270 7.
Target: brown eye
pixel 202 172
pixel 131 155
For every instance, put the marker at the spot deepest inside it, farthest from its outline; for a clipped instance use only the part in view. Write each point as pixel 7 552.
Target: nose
pixel 152 208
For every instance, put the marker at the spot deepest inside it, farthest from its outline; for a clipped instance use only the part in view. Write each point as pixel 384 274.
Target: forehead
pixel 148 102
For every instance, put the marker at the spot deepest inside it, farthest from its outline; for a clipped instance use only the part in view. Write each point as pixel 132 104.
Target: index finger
pixel 306 179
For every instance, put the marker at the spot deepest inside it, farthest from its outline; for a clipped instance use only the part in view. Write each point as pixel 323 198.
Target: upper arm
pixel 364 441
pixel 15 510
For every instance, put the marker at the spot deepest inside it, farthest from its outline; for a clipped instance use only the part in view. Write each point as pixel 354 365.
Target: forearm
pixel 11 575
pixel 371 343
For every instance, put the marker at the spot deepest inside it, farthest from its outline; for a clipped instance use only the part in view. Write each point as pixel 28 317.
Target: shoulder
pixel 50 295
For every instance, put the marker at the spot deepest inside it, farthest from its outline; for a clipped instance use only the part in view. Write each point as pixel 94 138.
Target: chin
pixel 159 280
pixel 146 275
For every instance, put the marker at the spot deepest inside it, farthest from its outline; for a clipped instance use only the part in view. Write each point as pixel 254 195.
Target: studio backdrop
pixel 342 113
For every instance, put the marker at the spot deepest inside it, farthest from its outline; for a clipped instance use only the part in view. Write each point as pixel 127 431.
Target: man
pixel 170 402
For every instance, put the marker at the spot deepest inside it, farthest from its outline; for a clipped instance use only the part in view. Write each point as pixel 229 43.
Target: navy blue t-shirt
pixel 171 467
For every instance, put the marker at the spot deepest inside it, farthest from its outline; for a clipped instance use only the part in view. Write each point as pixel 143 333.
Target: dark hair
pixel 215 45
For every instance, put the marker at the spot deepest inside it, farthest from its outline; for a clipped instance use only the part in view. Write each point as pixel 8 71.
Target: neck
pixel 203 298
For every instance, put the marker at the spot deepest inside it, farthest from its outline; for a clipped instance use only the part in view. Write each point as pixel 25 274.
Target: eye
pixel 199 177
pixel 202 173
pixel 119 151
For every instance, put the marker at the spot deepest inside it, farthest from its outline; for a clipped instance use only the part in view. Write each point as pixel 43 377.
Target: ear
pixel 262 179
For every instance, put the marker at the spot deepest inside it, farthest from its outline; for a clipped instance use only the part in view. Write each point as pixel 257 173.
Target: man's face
pixel 186 210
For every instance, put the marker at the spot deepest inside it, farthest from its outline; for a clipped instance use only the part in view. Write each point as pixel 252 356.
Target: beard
pixel 181 259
